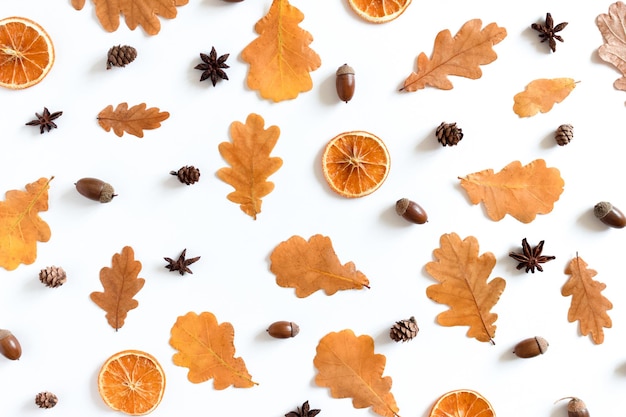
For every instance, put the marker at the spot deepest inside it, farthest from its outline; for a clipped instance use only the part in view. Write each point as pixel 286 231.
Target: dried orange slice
pixel 26 53
pixel 132 382
pixel 355 163
pixel 379 11
pixel 462 403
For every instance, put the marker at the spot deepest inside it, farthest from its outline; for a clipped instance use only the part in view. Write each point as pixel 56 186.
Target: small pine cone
pixel 46 399
pixel 119 56
pixel 564 134
pixel 187 174
pixel 404 330
pixel 448 134
pixel 53 276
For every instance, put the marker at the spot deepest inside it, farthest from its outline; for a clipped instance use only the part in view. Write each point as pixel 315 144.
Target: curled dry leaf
pixel 541 95
pixel 460 55
pixel 132 120
pixel 588 305
pixel 348 366
pixel 521 191
pixel 463 286
pixel 612 26
pixel 312 265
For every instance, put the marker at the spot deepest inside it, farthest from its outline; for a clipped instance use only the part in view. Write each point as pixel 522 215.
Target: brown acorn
pixel 411 211
pixel 531 347
pixel 9 345
pixel 345 82
pixel 95 189
pixel 283 329
pixel 610 215
pixel 575 407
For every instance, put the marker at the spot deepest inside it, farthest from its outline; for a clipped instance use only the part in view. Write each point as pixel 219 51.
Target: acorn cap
pixel 542 343
pixel 602 209
pixel 345 69
pixel 107 193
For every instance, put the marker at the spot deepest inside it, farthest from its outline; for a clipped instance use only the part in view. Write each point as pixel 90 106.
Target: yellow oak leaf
pixel 588 305
pixel 612 26
pixel 463 285
pixel 348 366
pixel 521 191
pixel 312 265
pixel 280 58
pixel 131 120
pixel 460 55
pixel 207 349
pixel 251 164
pixel 20 225
pixel 541 95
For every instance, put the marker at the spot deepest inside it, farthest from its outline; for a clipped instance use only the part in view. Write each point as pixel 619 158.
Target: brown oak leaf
pixel 348 366
pixel 588 305
pixel 250 163
pixel 20 225
pixel 612 26
pixel 133 120
pixel 207 349
pixel 460 55
pixel 280 58
pixel 541 95
pixel 121 283
pixel 144 13
pixel 313 265
pixel 521 191
pixel 463 286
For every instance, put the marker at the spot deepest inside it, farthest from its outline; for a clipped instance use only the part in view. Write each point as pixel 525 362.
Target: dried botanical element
pixel 250 162
pixel 280 58
pixel 404 330
pixel 520 191
pixel 541 95
pixel 531 258
pixel 121 283
pixel 588 305
pixel 312 265
pixel 462 403
pixel 181 264
pixel 411 211
pixel 460 55
pixel 379 11
pixel 10 347
pixel 212 66
pixel 564 134
pixel 207 349
pixel 448 134
pixel 305 411
pixel 345 82
pixel 610 215
pixel 95 189
pixel 120 56
pixel 348 366
pixel 132 120
pixel 45 121
pixel 531 347
pixel 463 286
pixel 548 32
pixel 612 26
pixel 46 399
pixel 283 329
pixel 20 225
pixel 144 13
pixel 575 407
pixel 52 276
pixel 187 174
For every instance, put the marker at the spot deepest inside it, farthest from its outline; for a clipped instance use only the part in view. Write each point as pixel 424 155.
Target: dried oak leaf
pixel 521 191
pixel 313 265
pixel 208 350
pixel 540 95
pixel 121 283
pixel 144 13
pixel 280 58
pixel 460 55
pixel 348 366
pixel 250 161
pixel 463 286
pixel 588 305
pixel 20 225
pixel 133 120
pixel 612 26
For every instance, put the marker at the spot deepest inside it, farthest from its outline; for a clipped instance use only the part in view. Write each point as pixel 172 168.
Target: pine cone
pixel 187 174
pixel 53 276
pixel 46 399
pixel 404 330
pixel 448 134
pixel 564 134
pixel 119 56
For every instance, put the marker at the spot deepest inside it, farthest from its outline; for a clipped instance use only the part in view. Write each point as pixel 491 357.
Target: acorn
pixel 609 214
pixel 9 345
pixel 345 83
pixel 283 329
pixel 411 211
pixel 575 407
pixel 95 189
pixel 531 347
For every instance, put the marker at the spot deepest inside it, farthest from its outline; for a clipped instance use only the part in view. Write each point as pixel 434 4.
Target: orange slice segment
pixel 379 11
pixel 132 382
pixel 462 403
pixel 355 163
pixel 26 53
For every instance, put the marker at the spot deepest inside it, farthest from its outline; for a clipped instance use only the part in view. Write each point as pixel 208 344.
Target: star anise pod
pixel 548 32
pixel 212 66
pixel 45 120
pixel 531 258
pixel 305 411
pixel 181 264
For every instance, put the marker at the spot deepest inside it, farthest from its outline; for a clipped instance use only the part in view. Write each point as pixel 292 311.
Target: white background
pixel 65 336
